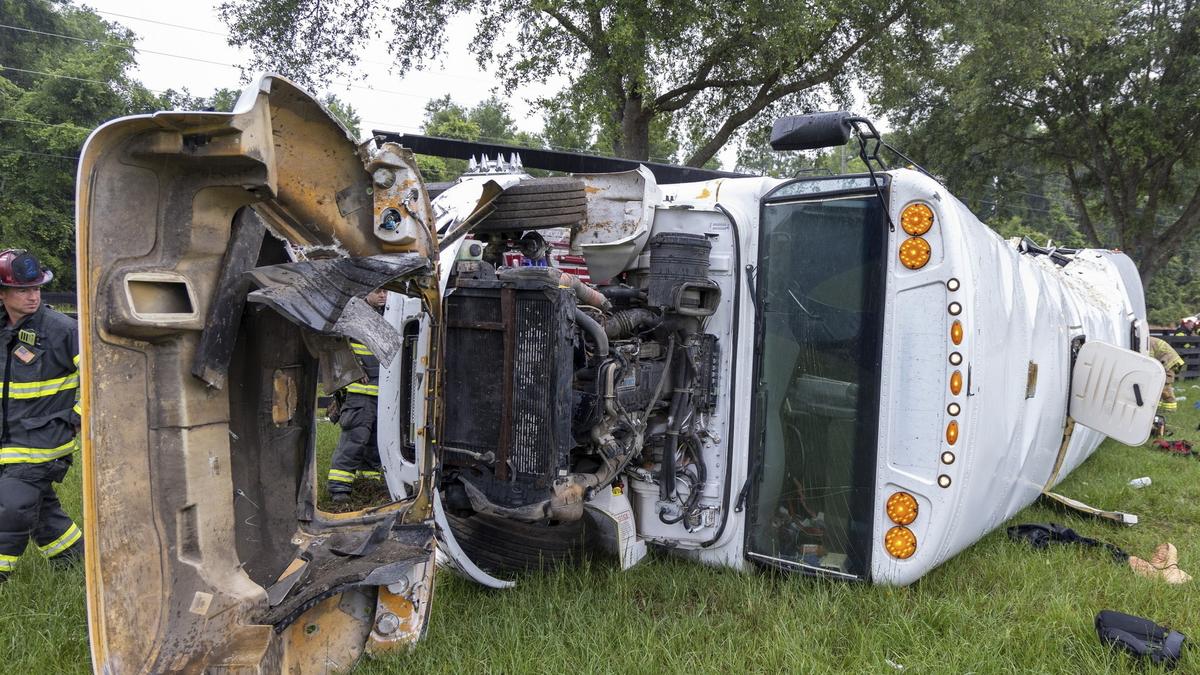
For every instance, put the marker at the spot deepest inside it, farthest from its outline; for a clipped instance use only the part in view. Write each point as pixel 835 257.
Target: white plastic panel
pixel 402 475
pixel 1115 391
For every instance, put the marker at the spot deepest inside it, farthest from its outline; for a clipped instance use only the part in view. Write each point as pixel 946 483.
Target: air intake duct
pixel 679 274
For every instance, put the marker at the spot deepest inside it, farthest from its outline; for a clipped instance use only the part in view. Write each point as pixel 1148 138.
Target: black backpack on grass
pixel 1140 637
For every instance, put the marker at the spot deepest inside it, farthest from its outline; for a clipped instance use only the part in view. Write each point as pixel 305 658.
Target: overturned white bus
pixel 847 376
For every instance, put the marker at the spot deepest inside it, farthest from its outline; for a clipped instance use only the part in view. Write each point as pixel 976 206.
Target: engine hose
pixel 622 293
pixel 662 381
pixel 666 487
pixel 630 321
pixel 591 327
pixel 586 294
pixel 679 403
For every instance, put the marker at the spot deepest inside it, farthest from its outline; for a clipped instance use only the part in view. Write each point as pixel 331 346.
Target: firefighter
pixel 1187 327
pixel 40 416
pixel 1172 363
pixel 357 453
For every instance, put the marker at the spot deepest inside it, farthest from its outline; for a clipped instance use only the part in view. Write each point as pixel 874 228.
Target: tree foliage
pixel 488 121
pixel 1091 102
pixel 53 91
pixel 707 68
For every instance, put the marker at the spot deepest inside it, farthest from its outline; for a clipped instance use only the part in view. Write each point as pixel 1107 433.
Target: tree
pixel 709 68
pixel 53 91
pixel 1102 95
pixel 487 121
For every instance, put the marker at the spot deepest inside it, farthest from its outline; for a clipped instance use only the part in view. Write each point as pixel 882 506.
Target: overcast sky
pixel 198 33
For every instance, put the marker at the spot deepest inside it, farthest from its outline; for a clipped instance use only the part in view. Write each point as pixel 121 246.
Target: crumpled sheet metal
pixel 326 295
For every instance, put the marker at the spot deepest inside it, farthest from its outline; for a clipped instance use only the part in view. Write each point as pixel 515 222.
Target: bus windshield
pixel 818 347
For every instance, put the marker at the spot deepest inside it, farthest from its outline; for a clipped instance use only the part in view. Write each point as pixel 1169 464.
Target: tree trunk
pixel 635 129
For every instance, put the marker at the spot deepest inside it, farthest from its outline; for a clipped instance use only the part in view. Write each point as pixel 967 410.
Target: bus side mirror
pixel 812 131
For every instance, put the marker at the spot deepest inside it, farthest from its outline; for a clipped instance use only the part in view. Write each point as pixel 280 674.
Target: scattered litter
pixel 1181 448
pixel 893 664
pixel 1164 564
pixel 1140 482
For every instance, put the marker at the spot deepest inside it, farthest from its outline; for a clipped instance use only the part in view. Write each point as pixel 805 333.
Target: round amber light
pixel 956 332
pixel 902 508
pixel 956 383
pixel 952 432
pixel 916 219
pixel 900 542
pixel 914 253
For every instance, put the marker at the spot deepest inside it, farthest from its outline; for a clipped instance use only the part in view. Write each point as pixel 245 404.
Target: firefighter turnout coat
pixel 40 370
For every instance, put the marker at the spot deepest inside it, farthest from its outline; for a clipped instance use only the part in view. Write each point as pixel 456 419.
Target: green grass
pixel 999 607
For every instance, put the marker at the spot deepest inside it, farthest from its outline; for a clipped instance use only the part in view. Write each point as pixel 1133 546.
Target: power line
pixel 230 65
pixel 44 124
pixel 70 77
pixel 14 151
pixel 131 48
pixel 118 45
pixel 163 23
pixel 227 36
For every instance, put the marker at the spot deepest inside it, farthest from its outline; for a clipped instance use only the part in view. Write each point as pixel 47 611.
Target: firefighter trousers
pixel 356 452
pixel 29 509
pixel 1166 402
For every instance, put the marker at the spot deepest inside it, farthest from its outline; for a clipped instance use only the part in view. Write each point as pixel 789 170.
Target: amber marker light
pixel 902 508
pixel 956 332
pixel 900 542
pixel 956 383
pixel 952 432
pixel 916 219
pixel 914 253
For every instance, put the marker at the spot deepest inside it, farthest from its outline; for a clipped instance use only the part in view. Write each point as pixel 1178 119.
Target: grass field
pixel 999 607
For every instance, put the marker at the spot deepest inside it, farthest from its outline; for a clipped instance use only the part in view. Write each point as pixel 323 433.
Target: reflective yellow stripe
pixel 361 349
pixel 63 543
pixel 374 475
pixel 340 476
pixel 35 455
pixel 75 360
pixel 1168 406
pixel 44 388
pixel 77 409
pixel 8 563
pixel 367 389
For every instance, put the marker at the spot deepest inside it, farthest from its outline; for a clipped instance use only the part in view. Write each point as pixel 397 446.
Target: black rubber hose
pixel 694 445
pixel 666 489
pixel 622 293
pixel 591 327
pixel 629 322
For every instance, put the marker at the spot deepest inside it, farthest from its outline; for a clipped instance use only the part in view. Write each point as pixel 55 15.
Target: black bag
pixel 1140 637
pixel 1041 535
